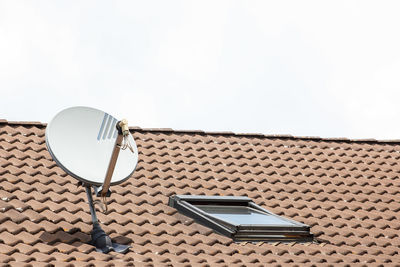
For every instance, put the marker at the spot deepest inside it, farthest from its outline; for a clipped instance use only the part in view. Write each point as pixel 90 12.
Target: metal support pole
pixel 100 239
pixel 91 204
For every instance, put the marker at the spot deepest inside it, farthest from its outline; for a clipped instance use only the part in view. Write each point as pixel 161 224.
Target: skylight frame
pixel 186 205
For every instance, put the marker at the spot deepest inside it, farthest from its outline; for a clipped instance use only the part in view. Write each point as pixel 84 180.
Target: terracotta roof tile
pixel 346 190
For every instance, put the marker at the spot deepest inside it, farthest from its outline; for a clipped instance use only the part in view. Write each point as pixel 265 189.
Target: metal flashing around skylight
pixel 240 218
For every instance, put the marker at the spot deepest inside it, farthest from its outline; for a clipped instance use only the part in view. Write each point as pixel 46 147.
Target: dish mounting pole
pixel 100 239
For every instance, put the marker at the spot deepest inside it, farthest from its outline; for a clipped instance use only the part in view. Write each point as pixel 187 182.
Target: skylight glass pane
pixel 242 215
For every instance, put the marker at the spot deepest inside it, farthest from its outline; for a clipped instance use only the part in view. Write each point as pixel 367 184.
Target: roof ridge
pixel 229 133
pixel 260 135
pixel 37 123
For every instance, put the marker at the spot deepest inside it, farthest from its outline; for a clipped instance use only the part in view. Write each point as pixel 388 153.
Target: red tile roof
pixel 348 191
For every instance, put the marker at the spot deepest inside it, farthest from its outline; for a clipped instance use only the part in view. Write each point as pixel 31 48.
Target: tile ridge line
pixel 22 123
pixel 270 136
pixel 228 133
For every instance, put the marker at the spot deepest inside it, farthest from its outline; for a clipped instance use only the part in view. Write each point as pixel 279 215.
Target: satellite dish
pixel 81 141
pixel 96 149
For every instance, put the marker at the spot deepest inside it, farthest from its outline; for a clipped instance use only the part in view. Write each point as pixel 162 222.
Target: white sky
pixel 322 68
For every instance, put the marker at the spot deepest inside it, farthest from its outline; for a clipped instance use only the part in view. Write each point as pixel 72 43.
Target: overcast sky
pixel 320 68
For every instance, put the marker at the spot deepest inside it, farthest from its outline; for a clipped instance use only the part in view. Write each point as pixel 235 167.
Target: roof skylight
pixel 240 218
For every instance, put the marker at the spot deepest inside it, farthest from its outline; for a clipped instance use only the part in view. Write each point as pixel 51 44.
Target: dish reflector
pixel 81 141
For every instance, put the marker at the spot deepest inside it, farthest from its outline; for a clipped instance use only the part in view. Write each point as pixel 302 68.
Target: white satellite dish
pixel 81 141
pixel 91 146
